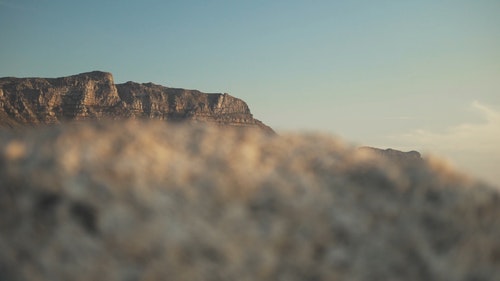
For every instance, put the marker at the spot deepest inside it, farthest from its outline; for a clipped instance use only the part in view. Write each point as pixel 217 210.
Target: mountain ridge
pixel 95 96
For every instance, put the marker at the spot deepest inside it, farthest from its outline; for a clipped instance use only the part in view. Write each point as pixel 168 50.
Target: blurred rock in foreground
pixel 151 201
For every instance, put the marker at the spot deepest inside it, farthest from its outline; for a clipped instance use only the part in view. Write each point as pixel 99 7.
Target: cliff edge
pixel 95 96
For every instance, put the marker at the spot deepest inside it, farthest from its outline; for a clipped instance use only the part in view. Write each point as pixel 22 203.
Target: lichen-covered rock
pixel 94 96
pixel 151 201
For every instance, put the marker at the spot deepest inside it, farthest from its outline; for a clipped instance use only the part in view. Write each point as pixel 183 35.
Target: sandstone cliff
pixel 89 202
pixel 93 95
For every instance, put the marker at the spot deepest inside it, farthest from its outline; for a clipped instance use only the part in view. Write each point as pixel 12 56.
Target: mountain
pixel 400 157
pixel 94 96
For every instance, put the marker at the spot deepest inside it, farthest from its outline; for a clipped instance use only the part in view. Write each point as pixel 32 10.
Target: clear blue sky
pixel 401 74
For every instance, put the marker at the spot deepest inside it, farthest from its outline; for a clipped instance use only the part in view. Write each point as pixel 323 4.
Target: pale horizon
pixel 406 75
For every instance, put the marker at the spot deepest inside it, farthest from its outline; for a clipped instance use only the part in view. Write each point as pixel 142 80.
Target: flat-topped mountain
pixel 95 96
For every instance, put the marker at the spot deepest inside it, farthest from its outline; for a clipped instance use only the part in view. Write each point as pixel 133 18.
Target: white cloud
pixel 468 136
pixel 473 147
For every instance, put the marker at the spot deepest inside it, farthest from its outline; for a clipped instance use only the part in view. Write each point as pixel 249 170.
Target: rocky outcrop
pixel 94 96
pixel 408 158
pixel 104 202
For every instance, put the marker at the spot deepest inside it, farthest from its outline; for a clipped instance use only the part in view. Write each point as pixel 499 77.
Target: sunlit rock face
pixel 94 96
pixel 151 201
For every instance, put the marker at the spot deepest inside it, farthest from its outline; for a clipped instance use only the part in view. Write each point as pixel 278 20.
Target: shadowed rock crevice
pixel 85 215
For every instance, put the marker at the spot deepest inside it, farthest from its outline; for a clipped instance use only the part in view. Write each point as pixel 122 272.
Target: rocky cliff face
pixel 93 95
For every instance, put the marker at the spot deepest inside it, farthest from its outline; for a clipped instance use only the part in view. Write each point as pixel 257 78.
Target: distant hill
pixel 400 157
pixel 94 96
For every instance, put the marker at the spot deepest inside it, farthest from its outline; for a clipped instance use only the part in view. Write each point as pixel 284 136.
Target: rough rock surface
pixel 93 95
pixel 151 201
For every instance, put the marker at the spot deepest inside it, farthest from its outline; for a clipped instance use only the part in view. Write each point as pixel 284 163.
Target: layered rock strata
pixel 94 96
